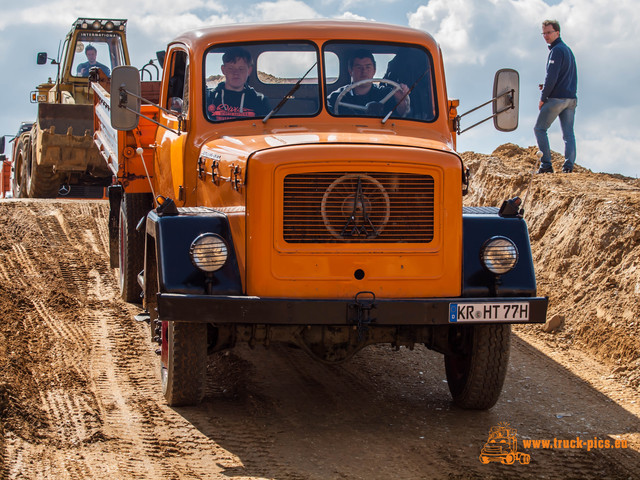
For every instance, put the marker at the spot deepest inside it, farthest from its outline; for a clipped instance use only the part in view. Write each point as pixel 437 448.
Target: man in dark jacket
pixel 558 99
pixel 234 98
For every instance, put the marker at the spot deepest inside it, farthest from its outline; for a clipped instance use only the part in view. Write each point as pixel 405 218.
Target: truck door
pixel 171 152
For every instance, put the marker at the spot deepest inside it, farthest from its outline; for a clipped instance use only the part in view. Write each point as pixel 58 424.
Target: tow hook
pixel 364 302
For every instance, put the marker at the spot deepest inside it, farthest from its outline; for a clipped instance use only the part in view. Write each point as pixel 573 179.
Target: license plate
pixel 489 312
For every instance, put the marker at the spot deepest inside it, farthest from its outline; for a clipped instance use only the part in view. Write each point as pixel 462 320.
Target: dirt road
pixel 80 391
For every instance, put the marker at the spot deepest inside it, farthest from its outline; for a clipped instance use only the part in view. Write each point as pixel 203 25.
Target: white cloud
pixel 477 37
pixel 353 16
pixel 279 10
pixel 470 31
pixel 480 37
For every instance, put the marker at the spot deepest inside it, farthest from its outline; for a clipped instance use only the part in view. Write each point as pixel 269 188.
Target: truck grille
pixel 358 207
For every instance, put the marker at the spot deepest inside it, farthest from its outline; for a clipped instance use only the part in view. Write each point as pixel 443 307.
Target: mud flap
pixel 115 197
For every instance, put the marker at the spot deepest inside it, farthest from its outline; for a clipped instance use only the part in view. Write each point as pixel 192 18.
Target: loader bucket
pixel 63 116
pixel 65 139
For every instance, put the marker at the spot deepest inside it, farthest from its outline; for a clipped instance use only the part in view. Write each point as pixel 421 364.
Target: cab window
pixel 243 81
pixel 379 80
pixel 97 49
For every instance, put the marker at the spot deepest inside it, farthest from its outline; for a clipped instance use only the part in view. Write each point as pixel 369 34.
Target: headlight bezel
pixel 206 252
pixel 499 255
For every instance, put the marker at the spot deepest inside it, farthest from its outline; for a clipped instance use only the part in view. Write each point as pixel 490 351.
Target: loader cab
pixel 90 43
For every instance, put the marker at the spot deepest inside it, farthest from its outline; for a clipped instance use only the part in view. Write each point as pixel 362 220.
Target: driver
pixel 362 66
pixel 92 55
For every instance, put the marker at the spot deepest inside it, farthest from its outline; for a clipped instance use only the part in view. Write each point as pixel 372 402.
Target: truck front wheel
pixel 133 207
pixel 476 372
pixel 184 362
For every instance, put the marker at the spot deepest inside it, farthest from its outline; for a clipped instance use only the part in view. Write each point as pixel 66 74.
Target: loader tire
pixel 23 155
pixel 133 207
pixel 183 362
pixel 476 373
pixel 40 181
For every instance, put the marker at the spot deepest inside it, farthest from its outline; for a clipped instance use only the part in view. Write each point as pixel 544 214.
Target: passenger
pixel 234 98
pixel 362 66
pixel 92 54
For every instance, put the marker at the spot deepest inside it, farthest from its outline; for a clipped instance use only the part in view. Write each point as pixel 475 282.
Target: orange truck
pixel 299 183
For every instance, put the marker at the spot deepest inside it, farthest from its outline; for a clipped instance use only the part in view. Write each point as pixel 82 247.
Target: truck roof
pixel 316 30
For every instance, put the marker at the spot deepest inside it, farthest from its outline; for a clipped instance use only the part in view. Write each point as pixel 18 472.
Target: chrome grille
pixel 358 207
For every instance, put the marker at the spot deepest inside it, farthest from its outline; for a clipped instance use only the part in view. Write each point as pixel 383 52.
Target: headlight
pixel 208 252
pixel 499 255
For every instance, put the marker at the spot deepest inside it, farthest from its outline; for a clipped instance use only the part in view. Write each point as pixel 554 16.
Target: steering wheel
pixel 368 107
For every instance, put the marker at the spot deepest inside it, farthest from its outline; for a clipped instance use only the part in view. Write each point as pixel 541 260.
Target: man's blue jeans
pixel 565 108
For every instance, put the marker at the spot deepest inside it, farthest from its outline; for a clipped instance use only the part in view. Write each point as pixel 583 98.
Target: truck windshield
pixel 248 80
pixel 97 49
pixel 379 80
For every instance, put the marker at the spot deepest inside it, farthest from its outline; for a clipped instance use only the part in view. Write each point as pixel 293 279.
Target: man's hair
pixel 553 23
pixel 361 53
pixel 90 47
pixel 234 53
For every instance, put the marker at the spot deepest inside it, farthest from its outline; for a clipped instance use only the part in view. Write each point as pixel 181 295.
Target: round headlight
pixel 208 252
pixel 499 255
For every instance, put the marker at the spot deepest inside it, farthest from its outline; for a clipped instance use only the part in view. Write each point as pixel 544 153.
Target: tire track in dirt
pixel 267 413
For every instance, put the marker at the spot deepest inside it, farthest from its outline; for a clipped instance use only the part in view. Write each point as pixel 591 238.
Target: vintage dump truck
pixel 502 446
pixel 299 183
pixel 57 155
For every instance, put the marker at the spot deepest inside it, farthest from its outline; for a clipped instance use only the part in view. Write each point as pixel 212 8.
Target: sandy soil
pixel 79 381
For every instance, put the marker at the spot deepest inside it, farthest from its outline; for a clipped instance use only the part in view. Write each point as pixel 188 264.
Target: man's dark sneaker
pixel 567 170
pixel 545 170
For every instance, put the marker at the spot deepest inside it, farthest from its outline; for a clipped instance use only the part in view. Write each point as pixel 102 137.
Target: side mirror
pixel 1 145
pixel 506 94
pixel 160 56
pixel 125 108
pixel 42 58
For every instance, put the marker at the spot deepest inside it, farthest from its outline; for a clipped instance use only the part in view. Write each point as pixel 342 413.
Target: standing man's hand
pixel 540 105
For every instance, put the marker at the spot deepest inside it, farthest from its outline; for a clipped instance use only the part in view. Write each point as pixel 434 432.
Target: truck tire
pixel 23 155
pixel 185 364
pixel 476 374
pixel 40 180
pixel 133 207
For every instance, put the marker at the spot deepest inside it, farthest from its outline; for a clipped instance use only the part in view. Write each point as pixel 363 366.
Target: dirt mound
pixel 585 238
pixel 79 396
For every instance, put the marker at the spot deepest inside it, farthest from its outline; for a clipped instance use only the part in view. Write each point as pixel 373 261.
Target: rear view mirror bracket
pixel 505 103
pixel 125 92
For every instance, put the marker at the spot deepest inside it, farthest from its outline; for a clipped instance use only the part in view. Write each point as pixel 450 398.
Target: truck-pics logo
pixel 502 446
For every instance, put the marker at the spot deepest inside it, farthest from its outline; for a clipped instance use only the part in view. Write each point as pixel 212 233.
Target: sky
pixel 477 38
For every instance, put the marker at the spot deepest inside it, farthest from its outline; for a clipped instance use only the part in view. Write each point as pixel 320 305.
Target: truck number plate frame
pixel 489 312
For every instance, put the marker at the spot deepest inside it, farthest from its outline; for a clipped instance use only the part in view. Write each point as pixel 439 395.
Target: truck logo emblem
pixel 359 224
pixel 355 206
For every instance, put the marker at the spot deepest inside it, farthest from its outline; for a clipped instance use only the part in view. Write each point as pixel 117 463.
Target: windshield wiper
pixel 404 96
pixel 288 96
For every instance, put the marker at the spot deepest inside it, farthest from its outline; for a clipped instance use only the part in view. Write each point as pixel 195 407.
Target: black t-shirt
pixel 375 94
pixel 223 104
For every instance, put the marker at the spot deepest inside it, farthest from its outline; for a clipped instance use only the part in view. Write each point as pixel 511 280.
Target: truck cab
pixel 304 187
